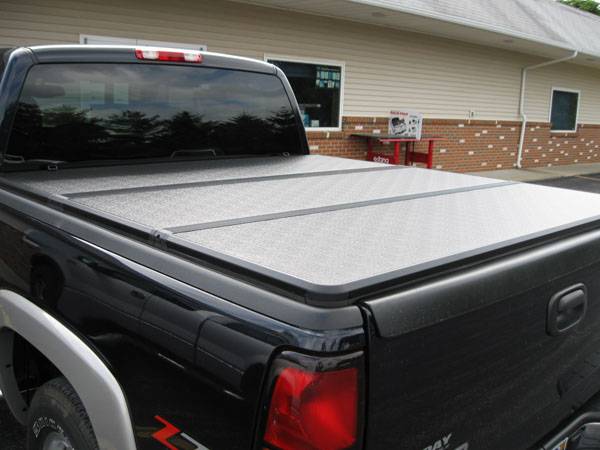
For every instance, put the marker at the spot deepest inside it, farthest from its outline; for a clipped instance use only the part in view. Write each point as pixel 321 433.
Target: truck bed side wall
pixel 187 356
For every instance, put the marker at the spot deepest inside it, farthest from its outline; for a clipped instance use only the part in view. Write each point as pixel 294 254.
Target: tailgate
pixel 468 361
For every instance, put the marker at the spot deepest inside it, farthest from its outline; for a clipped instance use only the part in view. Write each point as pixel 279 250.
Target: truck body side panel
pixel 189 357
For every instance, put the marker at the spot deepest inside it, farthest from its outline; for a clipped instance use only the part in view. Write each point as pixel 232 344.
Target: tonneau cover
pixel 324 225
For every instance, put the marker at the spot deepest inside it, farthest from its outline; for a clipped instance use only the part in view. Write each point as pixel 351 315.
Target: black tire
pixel 56 413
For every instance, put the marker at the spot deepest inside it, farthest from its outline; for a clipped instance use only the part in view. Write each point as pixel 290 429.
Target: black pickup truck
pixel 176 271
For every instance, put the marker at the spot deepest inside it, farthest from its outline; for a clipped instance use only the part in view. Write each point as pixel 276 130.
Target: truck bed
pixel 324 225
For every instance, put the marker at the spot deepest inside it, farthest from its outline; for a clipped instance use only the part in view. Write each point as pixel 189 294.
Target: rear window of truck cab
pixel 87 112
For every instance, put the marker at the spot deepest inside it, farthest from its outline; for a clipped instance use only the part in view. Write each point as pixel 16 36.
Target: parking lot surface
pixel 587 183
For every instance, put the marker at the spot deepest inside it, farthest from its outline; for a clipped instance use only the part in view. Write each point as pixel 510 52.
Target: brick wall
pixel 471 145
pixel 341 143
pixel 543 148
pixel 474 145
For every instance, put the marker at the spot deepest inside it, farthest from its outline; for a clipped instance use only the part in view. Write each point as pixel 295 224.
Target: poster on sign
pixel 406 124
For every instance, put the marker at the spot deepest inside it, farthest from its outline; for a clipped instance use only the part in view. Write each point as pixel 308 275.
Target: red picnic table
pixel 411 156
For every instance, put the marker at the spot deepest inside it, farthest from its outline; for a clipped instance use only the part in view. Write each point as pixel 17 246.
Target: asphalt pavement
pixel 587 183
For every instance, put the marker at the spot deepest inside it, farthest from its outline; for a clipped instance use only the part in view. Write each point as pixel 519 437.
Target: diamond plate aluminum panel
pixel 70 181
pixel 205 206
pixel 344 247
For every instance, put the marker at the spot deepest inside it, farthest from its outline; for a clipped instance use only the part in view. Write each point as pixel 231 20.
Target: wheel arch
pixel 99 391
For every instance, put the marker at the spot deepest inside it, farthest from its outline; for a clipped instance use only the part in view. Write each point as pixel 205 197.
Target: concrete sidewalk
pixel 541 173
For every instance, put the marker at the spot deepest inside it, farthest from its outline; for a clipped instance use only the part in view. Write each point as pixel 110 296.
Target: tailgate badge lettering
pixel 444 444
pixel 440 444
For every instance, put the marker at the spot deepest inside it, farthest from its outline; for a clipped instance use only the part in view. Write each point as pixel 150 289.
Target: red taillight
pixel 167 55
pixel 313 410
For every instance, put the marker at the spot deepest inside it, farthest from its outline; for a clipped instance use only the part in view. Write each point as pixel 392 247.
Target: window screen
pixel 78 112
pixel 563 116
pixel 318 90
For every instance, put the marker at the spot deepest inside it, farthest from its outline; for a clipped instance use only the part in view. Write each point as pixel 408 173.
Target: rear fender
pixel 97 387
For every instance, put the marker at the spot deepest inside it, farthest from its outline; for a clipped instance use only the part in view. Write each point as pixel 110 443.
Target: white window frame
pixel 317 61
pixel 84 38
pixel 572 91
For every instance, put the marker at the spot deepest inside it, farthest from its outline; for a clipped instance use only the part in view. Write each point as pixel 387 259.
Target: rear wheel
pixel 57 419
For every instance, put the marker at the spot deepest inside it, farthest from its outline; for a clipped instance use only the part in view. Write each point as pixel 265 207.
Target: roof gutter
pixel 522 98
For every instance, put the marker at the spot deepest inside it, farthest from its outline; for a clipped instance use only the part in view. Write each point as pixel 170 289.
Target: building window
pixel 564 109
pixel 318 87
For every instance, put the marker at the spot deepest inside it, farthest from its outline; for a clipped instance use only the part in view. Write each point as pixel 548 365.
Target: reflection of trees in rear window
pixel 92 111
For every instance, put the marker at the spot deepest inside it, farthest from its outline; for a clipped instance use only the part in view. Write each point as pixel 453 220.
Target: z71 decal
pixel 170 432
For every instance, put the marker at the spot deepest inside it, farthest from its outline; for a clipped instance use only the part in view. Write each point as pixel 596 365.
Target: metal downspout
pixel 522 98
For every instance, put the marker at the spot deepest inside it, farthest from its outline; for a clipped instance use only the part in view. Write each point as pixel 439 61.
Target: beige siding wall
pixel 566 76
pixel 385 69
